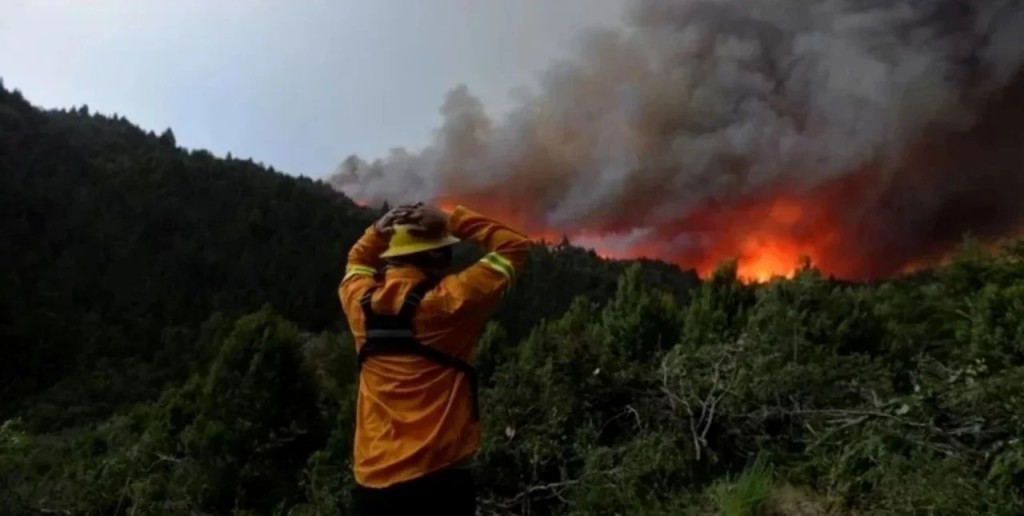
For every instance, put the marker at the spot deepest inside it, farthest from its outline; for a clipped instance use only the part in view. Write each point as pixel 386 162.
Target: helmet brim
pixel 419 247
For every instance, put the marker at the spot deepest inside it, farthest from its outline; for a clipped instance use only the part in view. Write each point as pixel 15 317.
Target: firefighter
pixel 415 323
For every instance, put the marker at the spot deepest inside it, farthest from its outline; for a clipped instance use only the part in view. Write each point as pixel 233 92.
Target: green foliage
pixel 745 494
pixel 237 435
pixel 173 345
pixel 718 309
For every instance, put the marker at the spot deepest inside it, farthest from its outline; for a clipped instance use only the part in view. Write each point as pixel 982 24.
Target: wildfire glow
pixel 762 259
pixel 767 237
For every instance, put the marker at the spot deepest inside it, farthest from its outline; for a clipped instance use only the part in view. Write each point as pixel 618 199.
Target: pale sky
pixel 297 84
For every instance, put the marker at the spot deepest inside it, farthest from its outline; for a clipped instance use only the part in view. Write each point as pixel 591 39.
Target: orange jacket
pixel 414 416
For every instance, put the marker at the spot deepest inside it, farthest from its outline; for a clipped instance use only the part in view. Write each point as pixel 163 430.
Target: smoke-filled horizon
pixel 867 135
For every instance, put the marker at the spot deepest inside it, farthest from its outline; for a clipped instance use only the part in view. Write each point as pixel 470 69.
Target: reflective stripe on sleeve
pixel 500 264
pixel 358 270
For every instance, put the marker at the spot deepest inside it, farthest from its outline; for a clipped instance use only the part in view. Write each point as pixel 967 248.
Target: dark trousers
pixel 449 492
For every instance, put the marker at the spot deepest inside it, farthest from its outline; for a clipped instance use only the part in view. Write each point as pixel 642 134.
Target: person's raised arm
pixel 364 258
pixel 482 284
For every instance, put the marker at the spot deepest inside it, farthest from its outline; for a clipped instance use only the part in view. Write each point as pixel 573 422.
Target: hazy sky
pixel 297 84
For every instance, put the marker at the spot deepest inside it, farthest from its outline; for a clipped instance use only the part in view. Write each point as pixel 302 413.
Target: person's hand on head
pixel 427 220
pixel 397 215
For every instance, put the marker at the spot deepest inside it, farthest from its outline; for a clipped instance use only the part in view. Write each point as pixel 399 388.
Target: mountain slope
pixel 118 244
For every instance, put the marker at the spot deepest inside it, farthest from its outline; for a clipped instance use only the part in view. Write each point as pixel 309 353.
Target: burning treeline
pixel 866 135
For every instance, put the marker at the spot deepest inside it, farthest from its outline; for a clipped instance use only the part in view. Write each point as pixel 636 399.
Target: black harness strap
pixel 395 335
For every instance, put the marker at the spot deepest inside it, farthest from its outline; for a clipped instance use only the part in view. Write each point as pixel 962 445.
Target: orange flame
pixel 763 250
pixel 771 238
pixel 768 236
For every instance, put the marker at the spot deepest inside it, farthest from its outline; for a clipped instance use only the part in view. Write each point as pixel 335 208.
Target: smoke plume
pixel 867 135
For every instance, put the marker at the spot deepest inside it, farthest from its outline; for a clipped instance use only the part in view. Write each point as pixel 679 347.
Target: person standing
pixel 415 323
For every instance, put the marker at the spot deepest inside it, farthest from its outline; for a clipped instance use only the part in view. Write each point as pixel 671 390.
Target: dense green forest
pixel 173 344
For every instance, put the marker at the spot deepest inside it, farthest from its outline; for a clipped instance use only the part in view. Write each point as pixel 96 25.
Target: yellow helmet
pixel 403 242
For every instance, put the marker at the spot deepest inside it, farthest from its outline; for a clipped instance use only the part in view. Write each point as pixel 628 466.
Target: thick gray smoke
pixel 704 106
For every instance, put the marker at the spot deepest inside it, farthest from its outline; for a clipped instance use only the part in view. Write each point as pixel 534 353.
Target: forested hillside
pixel 173 345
